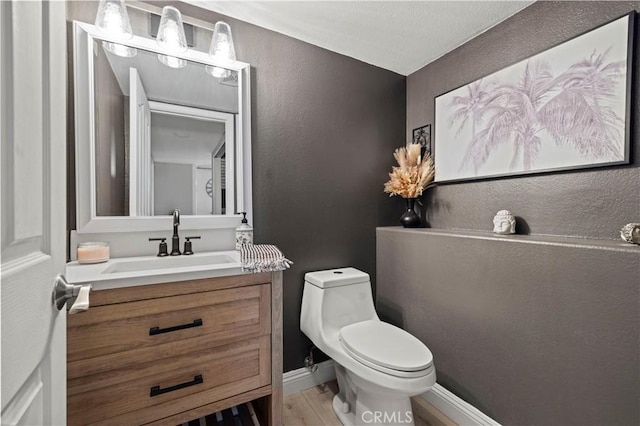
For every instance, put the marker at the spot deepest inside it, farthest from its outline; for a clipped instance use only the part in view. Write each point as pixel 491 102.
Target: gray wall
pixel 606 199
pixel 324 128
pixel 532 330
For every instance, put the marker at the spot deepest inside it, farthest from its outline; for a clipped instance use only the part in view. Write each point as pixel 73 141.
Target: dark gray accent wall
pixel 593 203
pixel 532 330
pixel 324 127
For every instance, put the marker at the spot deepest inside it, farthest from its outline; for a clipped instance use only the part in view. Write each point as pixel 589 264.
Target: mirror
pixel 157 137
pixel 161 135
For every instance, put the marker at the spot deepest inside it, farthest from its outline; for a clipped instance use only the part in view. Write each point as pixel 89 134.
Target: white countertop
pixel 144 270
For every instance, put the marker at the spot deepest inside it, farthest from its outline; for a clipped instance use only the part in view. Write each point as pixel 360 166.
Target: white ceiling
pixel 401 36
pixel 191 86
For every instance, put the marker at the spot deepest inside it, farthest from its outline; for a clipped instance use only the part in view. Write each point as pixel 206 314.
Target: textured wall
pixel 324 128
pixel 539 330
pixel 605 198
pixel 531 330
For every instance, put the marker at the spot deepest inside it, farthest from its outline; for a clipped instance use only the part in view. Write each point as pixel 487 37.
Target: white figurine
pixel 631 233
pixel 504 223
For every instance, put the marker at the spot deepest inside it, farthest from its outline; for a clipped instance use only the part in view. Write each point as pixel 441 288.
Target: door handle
pixel 157 330
pixel 63 292
pixel 155 391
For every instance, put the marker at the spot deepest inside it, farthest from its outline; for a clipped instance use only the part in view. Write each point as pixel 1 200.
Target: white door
pixel 33 241
pixel 140 179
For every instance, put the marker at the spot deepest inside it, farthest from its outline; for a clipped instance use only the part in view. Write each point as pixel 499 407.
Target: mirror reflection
pixel 164 135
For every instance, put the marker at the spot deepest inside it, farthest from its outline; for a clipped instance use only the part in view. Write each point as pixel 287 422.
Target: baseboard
pixel 456 409
pixel 299 380
pixel 461 412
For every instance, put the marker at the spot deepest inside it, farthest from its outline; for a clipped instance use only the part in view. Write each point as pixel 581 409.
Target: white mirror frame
pixel 86 219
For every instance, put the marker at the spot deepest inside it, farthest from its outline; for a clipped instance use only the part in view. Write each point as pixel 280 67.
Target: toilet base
pixel 360 403
pixel 367 417
pixel 346 418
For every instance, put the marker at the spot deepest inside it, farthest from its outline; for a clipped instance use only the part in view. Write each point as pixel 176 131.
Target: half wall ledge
pixel 539 239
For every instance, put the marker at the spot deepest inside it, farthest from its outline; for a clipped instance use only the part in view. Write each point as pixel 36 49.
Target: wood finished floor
pixel 313 408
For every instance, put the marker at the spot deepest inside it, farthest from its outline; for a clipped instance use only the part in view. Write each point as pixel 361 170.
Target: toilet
pixel 379 367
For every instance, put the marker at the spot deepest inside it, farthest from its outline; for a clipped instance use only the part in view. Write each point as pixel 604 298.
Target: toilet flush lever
pixel 63 292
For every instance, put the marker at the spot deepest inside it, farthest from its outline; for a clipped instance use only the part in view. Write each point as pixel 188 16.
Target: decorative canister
pixel 93 252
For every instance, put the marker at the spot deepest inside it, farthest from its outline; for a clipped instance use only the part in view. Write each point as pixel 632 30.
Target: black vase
pixel 410 218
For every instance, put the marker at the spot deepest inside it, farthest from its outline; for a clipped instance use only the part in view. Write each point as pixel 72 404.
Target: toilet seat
pixel 386 348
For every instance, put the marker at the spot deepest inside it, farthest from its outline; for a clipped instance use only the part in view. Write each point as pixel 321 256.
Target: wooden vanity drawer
pixel 123 396
pixel 115 358
pixel 219 316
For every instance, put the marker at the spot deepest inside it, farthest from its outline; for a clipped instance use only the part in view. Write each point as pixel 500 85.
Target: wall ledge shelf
pixel 538 239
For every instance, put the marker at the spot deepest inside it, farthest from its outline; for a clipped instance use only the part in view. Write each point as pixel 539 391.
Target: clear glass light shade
pixel 171 32
pixel 218 72
pixel 172 61
pixel 113 19
pixel 120 49
pixel 222 48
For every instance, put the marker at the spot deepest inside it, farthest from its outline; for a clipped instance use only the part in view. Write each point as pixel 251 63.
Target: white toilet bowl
pixel 378 366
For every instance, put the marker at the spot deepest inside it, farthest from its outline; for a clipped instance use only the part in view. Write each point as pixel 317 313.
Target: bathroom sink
pixel 142 270
pixel 146 264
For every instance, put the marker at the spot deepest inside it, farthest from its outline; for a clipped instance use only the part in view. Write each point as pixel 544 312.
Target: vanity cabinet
pixel 173 352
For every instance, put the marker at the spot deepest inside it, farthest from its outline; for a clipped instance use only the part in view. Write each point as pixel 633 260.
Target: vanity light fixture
pixel 112 19
pixel 172 61
pixel 221 49
pixel 120 49
pixel 171 37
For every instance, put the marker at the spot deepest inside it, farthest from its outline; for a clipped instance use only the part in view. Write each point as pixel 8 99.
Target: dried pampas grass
pixel 413 174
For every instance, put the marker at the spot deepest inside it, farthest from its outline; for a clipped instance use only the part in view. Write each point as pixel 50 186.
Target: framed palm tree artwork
pixel 565 108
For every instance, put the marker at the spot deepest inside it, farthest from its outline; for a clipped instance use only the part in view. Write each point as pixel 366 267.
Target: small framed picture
pixel 422 135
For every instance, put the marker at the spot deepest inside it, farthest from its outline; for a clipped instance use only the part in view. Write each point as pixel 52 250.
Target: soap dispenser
pixel 244 232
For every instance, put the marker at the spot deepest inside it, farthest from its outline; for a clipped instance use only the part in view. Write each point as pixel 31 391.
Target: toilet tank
pixel 333 299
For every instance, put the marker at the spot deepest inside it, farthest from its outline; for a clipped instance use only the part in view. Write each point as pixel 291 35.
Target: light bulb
pixel 217 72
pixel 222 48
pixel 172 61
pixel 112 18
pixel 171 32
pixel 120 49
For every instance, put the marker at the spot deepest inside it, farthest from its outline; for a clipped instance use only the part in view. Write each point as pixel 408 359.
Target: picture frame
pixel 541 114
pixel 422 135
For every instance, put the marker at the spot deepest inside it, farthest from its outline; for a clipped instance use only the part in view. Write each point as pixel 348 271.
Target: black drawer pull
pixel 157 330
pixel 155 391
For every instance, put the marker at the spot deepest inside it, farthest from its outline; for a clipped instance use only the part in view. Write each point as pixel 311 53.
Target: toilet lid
pixel 385 345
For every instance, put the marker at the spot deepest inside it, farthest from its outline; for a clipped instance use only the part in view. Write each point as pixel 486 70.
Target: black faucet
pixel 162 248
pixel 175 239
pixel 188 248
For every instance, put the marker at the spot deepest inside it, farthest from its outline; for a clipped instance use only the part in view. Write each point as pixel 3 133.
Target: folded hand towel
pixel 262 258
